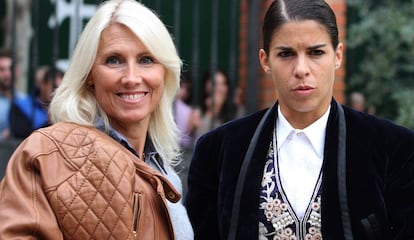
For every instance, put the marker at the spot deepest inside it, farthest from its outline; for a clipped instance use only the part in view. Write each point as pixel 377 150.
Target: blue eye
pixel 112 60
pixel 146 60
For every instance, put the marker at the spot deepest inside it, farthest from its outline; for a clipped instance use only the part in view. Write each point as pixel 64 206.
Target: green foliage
pixel 383 37
pixel 406 107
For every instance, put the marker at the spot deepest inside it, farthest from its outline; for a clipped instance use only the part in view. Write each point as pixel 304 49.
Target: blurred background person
pixel 30 113
pixel 216 104
pixel 6 91
pixel 184 114
pixel 188 120
pixel 239 103
pixel 357 101
pixel 7 144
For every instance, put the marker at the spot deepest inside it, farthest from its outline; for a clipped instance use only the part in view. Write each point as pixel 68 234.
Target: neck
pixel 135 134
pixel 301 120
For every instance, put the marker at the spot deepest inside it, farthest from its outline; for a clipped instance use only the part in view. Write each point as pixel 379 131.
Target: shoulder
pixel 380 136
pixel 373 125
pixel 60 136
pixel 23 102
pixel 76 141
pixel 70 133
pixel 19 94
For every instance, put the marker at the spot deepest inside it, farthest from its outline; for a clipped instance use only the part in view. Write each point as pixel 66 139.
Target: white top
pixel 300 156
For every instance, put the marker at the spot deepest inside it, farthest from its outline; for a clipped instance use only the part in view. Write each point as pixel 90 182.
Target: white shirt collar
pixel 314 132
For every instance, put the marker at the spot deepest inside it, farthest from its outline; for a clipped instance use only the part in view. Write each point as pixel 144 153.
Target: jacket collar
pixel 150 154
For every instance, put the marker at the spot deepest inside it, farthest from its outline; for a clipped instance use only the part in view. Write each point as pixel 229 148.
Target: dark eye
pixel 316 52
pixel 285 54
pixel 146 60
pixel 113 60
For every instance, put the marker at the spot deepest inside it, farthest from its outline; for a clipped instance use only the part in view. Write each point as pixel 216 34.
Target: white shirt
pixel 300 156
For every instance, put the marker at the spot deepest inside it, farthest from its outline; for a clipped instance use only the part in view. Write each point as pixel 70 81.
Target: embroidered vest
pixel 277 220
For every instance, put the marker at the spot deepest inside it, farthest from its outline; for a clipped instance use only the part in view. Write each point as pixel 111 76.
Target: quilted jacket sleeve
pixel 25 212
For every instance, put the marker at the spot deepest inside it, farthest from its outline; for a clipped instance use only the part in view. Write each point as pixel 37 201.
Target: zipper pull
pixel 137 212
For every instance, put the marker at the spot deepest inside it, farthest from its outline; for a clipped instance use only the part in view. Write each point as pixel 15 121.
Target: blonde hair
pixel 73 102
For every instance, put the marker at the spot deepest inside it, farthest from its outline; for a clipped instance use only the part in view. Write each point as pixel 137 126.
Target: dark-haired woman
pixel 306 168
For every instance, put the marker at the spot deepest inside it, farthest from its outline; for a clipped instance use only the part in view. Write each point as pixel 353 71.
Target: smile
pixel 134 96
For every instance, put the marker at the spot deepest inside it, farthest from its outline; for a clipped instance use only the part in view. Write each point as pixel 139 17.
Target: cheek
pixel 279 84
pixel 102 80
pixel 159 89
pixel 281 76
pixel 327 72
pixel 102 90
pixel 157 85
pixel 156 78
pixel 101 97
pixel 224 91
pixel 280 69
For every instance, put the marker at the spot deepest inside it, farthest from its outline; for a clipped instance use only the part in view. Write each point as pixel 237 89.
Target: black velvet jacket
pixel 379 173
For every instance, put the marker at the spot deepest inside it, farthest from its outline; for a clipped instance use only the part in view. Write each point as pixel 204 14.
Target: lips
pixel 303 88
pixel 304 91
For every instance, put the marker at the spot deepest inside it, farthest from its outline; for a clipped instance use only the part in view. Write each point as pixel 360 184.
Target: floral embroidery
pixel 277 219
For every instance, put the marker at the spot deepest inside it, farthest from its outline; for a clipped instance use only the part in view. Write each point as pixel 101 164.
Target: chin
pixel 304 107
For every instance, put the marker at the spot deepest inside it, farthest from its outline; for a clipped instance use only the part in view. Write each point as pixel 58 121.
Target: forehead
pixel 220 75
pixel 119 36
pixel 306 32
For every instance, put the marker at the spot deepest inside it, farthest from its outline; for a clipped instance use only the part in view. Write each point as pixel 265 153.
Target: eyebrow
pixel 284 48
pixel 317 46
pixel 120 53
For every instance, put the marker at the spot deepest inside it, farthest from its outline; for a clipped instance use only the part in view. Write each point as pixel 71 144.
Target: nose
pixel 131 73
pixel 302 67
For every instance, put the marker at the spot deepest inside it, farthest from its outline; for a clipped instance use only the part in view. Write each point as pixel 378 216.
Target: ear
pixel 339 55
pixel 264 61
pixel 89 83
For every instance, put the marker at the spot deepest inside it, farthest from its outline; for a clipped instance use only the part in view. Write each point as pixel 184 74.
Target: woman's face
pixel 220 86
pixel 302 63
pixel 128 81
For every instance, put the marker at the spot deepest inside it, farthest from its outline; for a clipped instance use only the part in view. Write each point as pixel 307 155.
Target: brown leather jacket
pixel 75 182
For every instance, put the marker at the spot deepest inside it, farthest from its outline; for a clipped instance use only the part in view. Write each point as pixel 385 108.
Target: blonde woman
pixel 103 169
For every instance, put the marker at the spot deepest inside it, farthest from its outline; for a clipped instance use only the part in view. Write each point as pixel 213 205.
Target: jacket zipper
pixel 137 213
